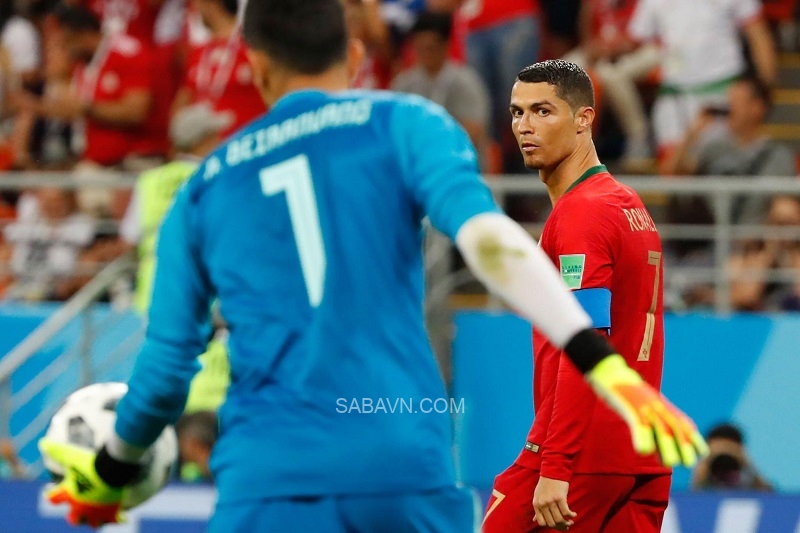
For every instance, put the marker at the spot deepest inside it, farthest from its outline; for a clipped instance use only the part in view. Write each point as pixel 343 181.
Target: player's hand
pixel 550 504
pixel 91 500
pixel 655 424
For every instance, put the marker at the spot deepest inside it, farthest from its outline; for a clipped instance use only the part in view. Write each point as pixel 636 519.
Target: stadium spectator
pixel 46 142
pixel 736 146
pixel 753 261
pixel 702 55
pixel 218 73
pixel 785 211
pixel 502 38
pixel 618 63
pixel 457 88
pixel 113 96
pixel 197 434
pixel 48 239
pixel 727 466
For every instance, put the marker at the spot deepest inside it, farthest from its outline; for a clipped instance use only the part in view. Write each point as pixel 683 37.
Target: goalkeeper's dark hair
pixel 305 36
pixel 572 83
pixel 76 18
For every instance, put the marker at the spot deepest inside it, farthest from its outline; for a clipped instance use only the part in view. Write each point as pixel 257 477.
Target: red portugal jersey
pixel 600 235
pixel 220 73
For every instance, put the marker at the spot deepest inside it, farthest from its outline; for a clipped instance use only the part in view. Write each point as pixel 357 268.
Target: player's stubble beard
pixel 533 164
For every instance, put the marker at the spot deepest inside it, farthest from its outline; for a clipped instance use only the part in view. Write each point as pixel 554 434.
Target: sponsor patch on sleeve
pixel 572 269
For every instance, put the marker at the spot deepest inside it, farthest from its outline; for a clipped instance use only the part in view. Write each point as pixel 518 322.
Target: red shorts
pixel 604 503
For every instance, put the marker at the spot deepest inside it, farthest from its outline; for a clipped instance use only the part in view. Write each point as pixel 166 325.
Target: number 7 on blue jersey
pixel 293 177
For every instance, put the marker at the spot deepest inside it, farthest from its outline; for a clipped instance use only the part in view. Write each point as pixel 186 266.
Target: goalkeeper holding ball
pixel 307 227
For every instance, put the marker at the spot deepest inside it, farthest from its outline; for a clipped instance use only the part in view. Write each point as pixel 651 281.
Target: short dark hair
pixel 439 23
pixel 306 36
pixel 76 18
pixel 572 83
pixel 726 431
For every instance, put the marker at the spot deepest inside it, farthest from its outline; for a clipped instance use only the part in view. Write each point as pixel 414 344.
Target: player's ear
pixel 584 118
pixel 356 51
pixel 260 64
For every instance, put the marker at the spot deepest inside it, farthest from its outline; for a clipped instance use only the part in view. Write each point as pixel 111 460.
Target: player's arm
pixel 178 325
pixel 591 243
pixel 762 45
pixel 177 331
pixel 441 170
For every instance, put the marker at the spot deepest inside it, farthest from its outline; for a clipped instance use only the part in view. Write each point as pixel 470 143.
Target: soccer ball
pixel 87 418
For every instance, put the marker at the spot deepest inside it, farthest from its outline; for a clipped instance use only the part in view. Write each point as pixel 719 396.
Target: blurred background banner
pixel 740 367
pixel 177 509
pixel 185 509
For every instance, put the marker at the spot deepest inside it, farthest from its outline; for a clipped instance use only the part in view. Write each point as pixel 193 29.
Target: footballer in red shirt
pixel 578 468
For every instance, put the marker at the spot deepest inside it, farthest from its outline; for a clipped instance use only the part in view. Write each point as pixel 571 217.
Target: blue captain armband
pixel 597 304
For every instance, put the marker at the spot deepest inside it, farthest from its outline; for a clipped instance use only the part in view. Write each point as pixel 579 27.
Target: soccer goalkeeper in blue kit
pixel 307 226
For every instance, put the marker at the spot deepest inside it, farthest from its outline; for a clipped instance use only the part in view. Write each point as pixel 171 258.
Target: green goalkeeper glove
pixel 655 424
pixel 92 500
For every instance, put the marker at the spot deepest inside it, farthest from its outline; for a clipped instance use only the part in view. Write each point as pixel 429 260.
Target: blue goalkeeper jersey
pixel 307 225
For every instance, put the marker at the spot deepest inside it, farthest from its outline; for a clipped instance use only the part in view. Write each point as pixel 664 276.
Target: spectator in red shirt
pixel 219 72
pixel 113 95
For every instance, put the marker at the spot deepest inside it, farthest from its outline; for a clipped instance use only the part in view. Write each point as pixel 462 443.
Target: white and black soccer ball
pixel 87 418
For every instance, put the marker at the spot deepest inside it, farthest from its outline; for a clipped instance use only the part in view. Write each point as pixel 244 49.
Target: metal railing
pixel 721 191
pixel 442 278
pixel 81 307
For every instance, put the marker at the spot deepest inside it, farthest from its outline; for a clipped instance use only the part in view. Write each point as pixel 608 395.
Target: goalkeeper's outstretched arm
pixel 508 261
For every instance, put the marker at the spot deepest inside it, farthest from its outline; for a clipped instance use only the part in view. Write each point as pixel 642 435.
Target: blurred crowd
pixel 92 86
